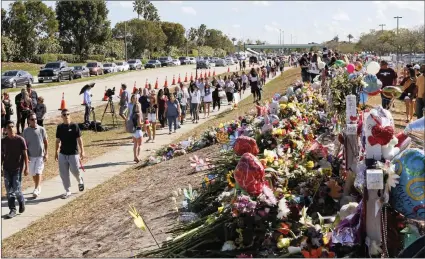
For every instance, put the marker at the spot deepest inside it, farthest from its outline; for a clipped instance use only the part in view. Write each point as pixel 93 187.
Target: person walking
pixel 172 112
pixel 244 79
pixel 420 100
pixel 237 89
pixel 244 65
pixel 410 91
pixel 40 111
pixel 130 127
pixel 194 103
pixel 124 100
pixel 14 159
pixel 36 139
pixel 18 99
pixel 26 108
pixel 136 117
pixel 229 89
pixel 161 108
pixel 144 103
pixel 388 77
pixel 255 90
pixel 201 87
pixel 68 139
pixel 182 96
pixel 3 116
pixel 152 112
pixel 87 105
pixel 216 97
pixel 207 99
pixel 7 106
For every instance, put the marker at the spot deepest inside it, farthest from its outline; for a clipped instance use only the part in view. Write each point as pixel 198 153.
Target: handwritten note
pixel 374 179
pixel 351 108
pixel 351 129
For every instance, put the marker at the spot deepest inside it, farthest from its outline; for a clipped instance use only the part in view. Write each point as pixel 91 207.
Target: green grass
pixel 29 67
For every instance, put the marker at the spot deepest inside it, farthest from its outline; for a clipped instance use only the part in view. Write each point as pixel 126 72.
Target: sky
pixel 303 21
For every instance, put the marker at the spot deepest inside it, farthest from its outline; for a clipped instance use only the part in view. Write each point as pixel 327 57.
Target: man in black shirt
pixel 304 68
pixel 388 77
pixel 68 135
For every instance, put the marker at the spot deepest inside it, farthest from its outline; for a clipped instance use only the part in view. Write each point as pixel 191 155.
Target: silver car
pixel 220 63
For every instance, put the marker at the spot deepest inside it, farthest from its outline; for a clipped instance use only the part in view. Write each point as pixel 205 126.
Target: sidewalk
pixel 96 172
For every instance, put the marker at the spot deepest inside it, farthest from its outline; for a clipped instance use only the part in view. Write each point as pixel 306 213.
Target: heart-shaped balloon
pixel 408 197
pixel 381 135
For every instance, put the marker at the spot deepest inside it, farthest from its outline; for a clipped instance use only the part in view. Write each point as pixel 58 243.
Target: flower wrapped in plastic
pixel 249 174
pixel 244 145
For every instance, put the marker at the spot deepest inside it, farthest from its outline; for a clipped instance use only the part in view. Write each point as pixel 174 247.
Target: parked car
pixel 95 68
pixel 220 63
pixel 16 78
pixel 153 63
pixel 230 61
pixel 192 60
pixel 55 71
pixel 122 66
pixel 135 64
pixel 81 71
pixel 110 68
pixel 165 61
pixel 184 60
pixel 203 64
pixel 175 62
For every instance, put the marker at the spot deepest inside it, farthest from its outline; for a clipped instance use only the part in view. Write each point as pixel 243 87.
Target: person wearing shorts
pixel 152 112
pixel 68 139
pixel 124 98
pixel 36 139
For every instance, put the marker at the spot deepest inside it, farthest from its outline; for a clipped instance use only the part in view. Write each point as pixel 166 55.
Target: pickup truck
pixel 55 71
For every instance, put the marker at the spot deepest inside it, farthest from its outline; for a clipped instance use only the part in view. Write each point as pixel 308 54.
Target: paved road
pixel 96 172
pixel 52 95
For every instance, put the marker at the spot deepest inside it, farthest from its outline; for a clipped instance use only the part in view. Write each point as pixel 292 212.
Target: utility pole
pixel 382 27
pixel 125 39
pixel 291 38
pixel 398 47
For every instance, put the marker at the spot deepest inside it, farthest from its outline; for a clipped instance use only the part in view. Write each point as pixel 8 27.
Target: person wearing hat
pixel 417 69
pixel 388 77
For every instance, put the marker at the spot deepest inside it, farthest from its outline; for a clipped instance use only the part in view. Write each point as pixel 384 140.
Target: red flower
pixel 249 174
pixel 244 145
pixel 284 228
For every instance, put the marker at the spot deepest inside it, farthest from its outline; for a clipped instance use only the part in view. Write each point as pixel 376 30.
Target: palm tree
pixel 336 38
pixel 350 37
pixel 145 9
pixel 233 40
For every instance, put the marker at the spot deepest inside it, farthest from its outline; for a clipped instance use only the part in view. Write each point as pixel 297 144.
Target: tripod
pixel 111 106
pixel 94 119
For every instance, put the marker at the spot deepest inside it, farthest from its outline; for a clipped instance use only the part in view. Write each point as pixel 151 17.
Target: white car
pixel 230 61
pixel 122 66
pixel 109 68
pixel 175 62
pixel 192 60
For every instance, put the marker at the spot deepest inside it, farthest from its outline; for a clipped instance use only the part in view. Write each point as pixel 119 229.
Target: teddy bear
pixel 274 108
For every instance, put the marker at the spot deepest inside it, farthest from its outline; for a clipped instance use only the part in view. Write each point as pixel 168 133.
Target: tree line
pixel 80 30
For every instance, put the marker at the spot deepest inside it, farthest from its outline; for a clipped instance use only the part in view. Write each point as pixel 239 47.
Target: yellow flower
pixel 221 125
pixel 269 155
pixel 277 131
pixel 229 179
pixel 138 220
pixel 283 106
pixel 222 137
pixel 309 165
pixel 283 242
pixel 220 209
pixel 281 162
pixel 327 171
pixel 291 105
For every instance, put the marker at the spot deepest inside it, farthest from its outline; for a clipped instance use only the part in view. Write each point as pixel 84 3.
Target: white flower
pixel 392 180
pixel 283 210
pixel 294 250
pixel 228 246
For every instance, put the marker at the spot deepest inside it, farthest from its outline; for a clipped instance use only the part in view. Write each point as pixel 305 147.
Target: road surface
pixel 53 94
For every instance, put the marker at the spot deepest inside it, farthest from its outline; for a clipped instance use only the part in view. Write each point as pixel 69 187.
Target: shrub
pixel 98 58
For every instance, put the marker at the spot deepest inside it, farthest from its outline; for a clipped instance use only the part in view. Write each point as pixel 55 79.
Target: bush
pixel 98 58
pixel 44 58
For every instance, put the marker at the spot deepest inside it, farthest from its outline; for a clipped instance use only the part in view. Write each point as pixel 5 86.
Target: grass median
pixel 85 208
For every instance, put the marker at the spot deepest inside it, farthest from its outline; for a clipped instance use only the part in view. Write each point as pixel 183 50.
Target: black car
pixel 184 60
pixel 153 63
pixel 81 71
pixel 15 78
pixel 55 71
pixel 253 59
pixel 165 61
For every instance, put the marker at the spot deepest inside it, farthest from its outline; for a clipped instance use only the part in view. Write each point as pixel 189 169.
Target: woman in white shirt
pixel 194 103
pixel 244 81
pixel 207 99
pixel 229 88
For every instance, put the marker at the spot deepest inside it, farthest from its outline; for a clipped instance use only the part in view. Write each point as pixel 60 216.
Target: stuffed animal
pixel 274 108
pixel 283 99
pixel 261 110
pixel 267 125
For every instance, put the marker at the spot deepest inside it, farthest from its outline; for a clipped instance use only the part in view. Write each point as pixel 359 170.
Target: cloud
pixel 319 32
pixel 315 24
pixel 275 24
pixel 270 28
pixel 236 10
pixel 236 26
pixel 175 2
pixel 341 16
pixel 188 10
pixel 417 6
pixel 126 4
pixel 263 3
pixel 369 19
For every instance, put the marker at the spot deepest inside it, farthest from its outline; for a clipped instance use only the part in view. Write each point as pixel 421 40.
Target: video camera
pixel 110 92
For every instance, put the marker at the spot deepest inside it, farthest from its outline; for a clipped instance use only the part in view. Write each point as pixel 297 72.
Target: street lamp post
pixel 125 39
pixel 398 47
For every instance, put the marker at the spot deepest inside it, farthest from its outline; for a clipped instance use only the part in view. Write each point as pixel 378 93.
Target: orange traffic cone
pixel 134 88
pixel 63 104
pixel 166 82
pixel 146 84
pixel 174 81
pixel 214 72
pixel 209 73
pixel 185 78
pixel 105 97
pixel 179 81
pixel 228 69
pixel 156 83
pixel 191 76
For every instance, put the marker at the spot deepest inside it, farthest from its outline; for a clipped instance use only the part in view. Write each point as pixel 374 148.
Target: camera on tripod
pixel 110 92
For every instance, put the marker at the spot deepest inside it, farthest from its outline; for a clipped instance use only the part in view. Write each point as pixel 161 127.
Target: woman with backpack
pixel 136 118
pixel 172 112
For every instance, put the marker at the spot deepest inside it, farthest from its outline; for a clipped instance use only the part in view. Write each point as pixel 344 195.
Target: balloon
pixel 363 98
pixel 352 76
pixel 350 68
pixel 316 85
pixel 408 197
pixel 340 63
pixel 391 91
pixel 373 86
pixel 373 68
pixel 417 125
pixel 359 66
pixel 321 65
pixel 276 96
pixel 290 91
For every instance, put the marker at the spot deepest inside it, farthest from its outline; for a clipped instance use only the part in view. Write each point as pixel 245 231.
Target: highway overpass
pixel 283 46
